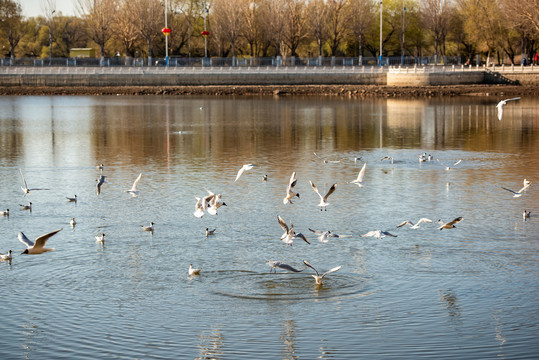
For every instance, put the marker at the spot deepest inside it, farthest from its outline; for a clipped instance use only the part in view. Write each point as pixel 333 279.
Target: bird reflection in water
pixel 211 345
pixel 450 301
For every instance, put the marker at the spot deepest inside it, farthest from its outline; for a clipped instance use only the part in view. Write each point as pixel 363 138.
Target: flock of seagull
pixel 211 202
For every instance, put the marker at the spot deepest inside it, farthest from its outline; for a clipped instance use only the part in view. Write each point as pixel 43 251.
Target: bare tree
pixel 148 18
pixel 317 23
pixel 99 16
pixel 273 23
pixel 125 29
pixel 337 24
pixel 294 24
pixel 361 15
pixel 251 29
pixel 227 21
pixel 525 13
pixel 436 17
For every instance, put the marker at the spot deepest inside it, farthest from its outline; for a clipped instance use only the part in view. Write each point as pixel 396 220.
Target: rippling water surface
pixel 469 292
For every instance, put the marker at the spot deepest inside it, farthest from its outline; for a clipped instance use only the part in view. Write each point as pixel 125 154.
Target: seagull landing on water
pixel 243 169
pixel 38 246
pixel 500 105
pixel 277 264
pixel 378 234
pixel 412 225
pixel 193 271
pixel 318 278
pixel 519 193
pixel 289 233
pixel 449 225
pixel 359 180
pixel 323 199
pixel 25 188
pixel 133 191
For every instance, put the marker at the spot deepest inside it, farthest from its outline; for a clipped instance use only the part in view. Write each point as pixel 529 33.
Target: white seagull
pixel 289 233
pixel 412 225
pixel 526 214
pixel 210 232
pixel 201 205
pixel 324 235
pixel 6 257
pixel 517 193
pixel 72 199
pixel 25 188
pixel 243 169
pixel 100 239
pixel 327 161
pixel 318 278
pixel 387 158
pixel 378 234
pixel 449 225
pixel 277 264
pixel 148 228
pixel 290 194
pixel 73 222
pixel 500 105
pixel 38 246
pixel 360 175
pixel 133 191
pixel 215 203
pixel 193 271
pixel 323 199
pixel 4 213
pixel 26 207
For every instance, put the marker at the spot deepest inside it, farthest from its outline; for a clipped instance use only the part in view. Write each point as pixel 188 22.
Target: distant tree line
pixel 497 30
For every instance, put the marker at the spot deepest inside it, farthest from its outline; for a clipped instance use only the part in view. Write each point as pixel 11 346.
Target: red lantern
pixel 205 33
pixel 165 31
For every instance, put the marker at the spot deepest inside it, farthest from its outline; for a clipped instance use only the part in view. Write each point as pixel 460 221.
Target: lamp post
pixel 403 30
pixel 166 34
pixel 205 37
pixel 380 58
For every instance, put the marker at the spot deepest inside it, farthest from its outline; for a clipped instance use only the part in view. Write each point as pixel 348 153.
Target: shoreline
pixel 281 90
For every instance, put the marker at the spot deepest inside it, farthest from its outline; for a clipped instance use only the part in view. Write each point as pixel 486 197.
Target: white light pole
pixel 380 58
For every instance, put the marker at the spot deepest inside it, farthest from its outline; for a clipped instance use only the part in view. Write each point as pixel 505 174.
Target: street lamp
pixel 380 58
pixel 205 37
pixel 166 34
pixel 403 30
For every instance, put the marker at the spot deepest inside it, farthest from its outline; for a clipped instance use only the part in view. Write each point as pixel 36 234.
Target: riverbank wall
pixel 251 76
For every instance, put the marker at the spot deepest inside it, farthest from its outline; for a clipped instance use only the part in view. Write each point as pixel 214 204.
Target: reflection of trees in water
pixel 211 345
pixel 450 301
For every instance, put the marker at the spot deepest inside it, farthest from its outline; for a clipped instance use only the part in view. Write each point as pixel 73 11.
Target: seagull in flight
pixel 412 225
pixel 25 188
pixel 521 191
pixel 133 191
pixel 38 246
pixel 318 278
pixel 193 271
pixel 327 161
pixel 500 105
pixel 387 158
pixel 378 234
pixel 215 203
pixel 202 204
pixel 323 199
pixel 290 194
pixel 289 233
pixel 243 169
pixel 324 235
pixel 449 225
pixel 360 175
pixel 277 264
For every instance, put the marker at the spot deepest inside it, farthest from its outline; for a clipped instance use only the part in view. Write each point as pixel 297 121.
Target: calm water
pixel 469 292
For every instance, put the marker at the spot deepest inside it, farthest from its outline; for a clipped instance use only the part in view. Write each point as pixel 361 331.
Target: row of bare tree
pixel 259 28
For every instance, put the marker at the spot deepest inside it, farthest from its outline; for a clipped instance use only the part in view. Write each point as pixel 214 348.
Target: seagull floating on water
pixel 243 169
pixel 449 225
pixel 500 105
pixel 323 199
pixel 38 246
pixel 289 233
pixel 148 228
pixel 318 278
pixel 72 222
pixel 277 264
pixel 26 207
pixel 210 232
pixel 100 239
pixel 133 191
pixel 6 257
pixel 4 213
pixel 526 214
pixel 72 199
pixel 193 271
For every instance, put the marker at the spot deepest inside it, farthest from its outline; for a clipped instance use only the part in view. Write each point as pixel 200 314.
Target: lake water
pixel 470 292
